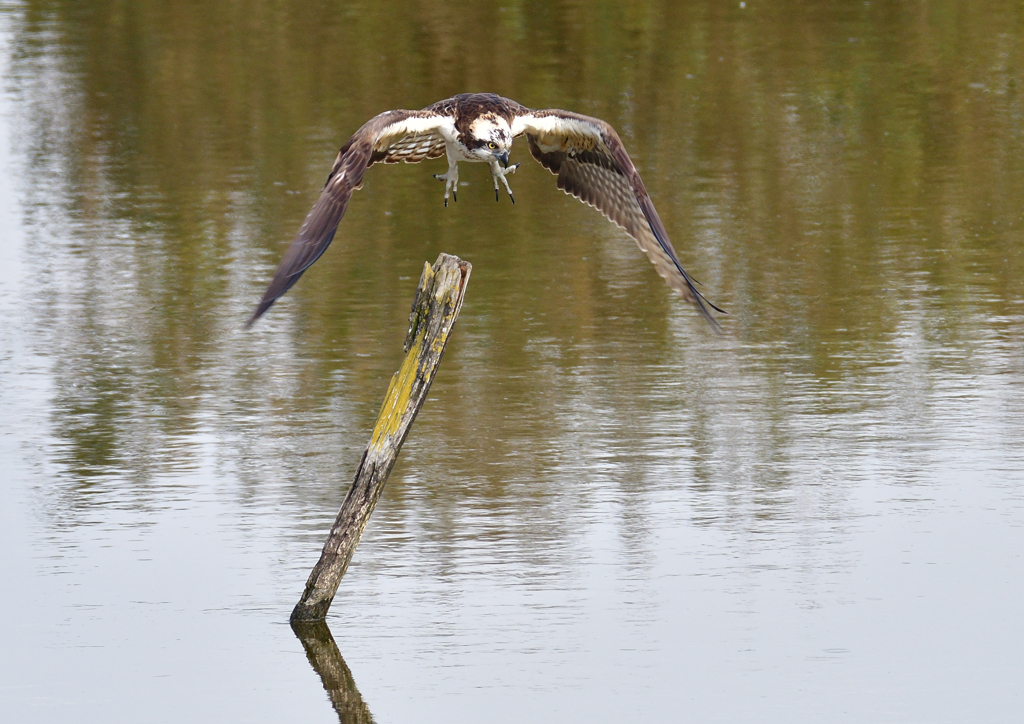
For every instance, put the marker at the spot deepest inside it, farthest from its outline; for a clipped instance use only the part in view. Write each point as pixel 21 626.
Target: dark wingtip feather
pixel 315 235
pixel 698 297
pixel 263 306
pixel 703 303
pixel 273 293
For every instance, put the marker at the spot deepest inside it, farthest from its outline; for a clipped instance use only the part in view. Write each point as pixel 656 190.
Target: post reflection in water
pixel 327 662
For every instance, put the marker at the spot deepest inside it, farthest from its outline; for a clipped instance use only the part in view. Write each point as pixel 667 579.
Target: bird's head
pixel 490 138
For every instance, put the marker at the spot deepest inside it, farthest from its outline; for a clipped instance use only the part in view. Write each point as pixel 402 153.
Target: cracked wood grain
pixel 434 311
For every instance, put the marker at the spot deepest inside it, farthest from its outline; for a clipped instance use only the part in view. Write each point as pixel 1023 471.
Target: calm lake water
pixel 604 512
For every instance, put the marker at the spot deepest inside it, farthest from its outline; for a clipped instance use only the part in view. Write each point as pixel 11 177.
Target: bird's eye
pixel 492 145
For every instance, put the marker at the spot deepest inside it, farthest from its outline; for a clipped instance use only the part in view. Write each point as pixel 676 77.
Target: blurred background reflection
pixel 602 502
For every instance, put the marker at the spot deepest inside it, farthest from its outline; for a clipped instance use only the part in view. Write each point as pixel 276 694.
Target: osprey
pixel 585 153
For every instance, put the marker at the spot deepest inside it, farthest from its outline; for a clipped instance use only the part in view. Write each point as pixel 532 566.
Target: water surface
pixel 604 512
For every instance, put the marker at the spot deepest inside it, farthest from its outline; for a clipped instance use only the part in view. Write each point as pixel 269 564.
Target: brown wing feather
pixel 591 164
pixel 377 141
pixel 414 148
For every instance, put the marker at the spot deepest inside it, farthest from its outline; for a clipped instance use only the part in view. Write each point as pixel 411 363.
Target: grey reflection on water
pixel 326 660
pixel 844 178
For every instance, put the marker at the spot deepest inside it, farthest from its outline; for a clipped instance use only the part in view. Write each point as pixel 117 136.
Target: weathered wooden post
pixel 434 311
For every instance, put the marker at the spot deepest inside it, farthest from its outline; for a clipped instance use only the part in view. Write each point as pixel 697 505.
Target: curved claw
pixel 501 175
pixel 451 183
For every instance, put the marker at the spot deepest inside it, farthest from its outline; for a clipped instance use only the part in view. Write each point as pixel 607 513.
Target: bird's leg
pixel 500 173
pixel 451 181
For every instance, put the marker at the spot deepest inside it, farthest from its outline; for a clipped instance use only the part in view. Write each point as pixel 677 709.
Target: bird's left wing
pixel 591 164
pixel 390 137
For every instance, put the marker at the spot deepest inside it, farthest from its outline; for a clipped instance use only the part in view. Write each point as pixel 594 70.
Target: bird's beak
pixel 503 157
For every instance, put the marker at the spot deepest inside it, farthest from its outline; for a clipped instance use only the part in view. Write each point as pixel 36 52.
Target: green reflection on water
pixel 842 177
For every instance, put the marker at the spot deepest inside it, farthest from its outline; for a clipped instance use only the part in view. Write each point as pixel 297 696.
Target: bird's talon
pixel 500 174
pixel 451 182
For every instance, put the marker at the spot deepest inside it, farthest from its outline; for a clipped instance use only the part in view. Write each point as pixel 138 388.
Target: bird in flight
pixel 584 153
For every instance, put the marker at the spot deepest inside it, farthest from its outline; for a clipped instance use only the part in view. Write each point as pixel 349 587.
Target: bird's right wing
pixel 390 137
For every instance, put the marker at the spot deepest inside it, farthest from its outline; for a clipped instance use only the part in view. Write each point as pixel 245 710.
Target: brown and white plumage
pixel 585 154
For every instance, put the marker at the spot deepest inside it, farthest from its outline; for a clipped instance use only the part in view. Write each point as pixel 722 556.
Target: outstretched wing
pixel 390 137
pixel 592 165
